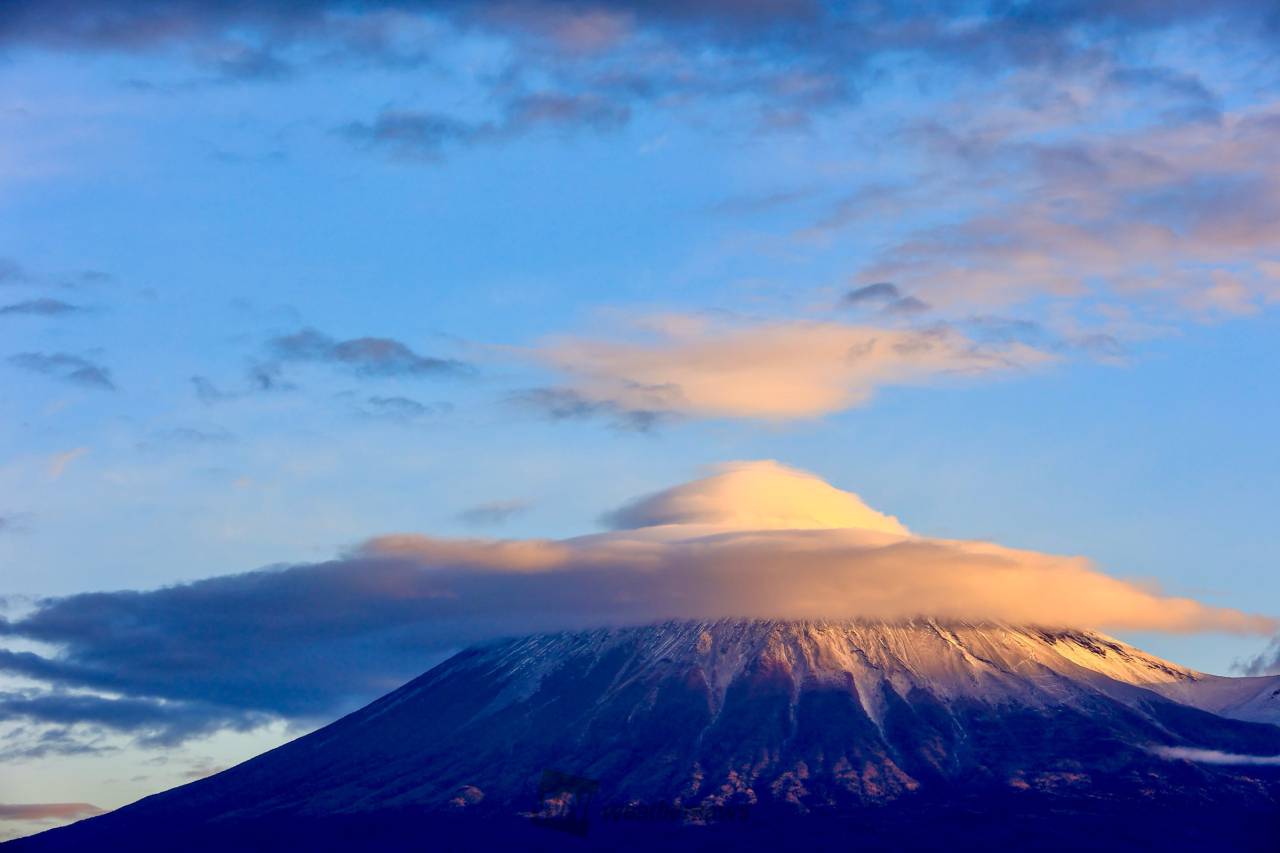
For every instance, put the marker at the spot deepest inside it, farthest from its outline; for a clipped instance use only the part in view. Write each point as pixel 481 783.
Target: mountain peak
pixel 782 718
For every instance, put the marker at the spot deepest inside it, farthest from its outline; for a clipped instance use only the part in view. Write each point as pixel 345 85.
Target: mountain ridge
pixel 793 718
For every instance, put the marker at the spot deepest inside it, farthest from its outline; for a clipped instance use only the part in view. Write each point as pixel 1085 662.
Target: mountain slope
pixel 792 719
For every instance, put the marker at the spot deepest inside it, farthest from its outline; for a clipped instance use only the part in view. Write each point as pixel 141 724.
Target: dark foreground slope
pixel 758 734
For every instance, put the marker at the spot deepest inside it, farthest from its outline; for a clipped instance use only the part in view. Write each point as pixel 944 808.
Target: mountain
pixel 779 733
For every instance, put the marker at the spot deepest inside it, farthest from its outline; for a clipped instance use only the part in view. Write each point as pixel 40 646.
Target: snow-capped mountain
pixel 799 720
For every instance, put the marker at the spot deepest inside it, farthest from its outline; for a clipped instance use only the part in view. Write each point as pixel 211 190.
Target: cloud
pixel 754 496
pixel 154 722
pixel 372 357
pixel 12 272
pixel 887 297
pixel 59 462
pixel 770 371
pixel 1264 663
pixel 493 513
pixel 47 811
pixel 567 404
pixel 207 392
pixel 750 540
pixel 425 135
pixel 24 743
pixel 1212 756
pixel 1185 214
pixel 43 307
pixel 400 408
pixel 186 437
pixel 67 367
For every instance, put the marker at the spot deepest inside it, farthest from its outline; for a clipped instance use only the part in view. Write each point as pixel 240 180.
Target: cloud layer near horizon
pixel 753 539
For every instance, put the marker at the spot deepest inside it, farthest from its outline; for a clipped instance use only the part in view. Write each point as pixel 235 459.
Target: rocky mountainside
pixel 724 723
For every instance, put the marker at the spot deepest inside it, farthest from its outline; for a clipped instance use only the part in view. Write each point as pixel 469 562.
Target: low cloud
pixel 153 722
pixel 770 371
pixel 1212 756
pixel 750 540
pixel 65 366
pixel 1264 663
pixel 371 357
pixel 47 811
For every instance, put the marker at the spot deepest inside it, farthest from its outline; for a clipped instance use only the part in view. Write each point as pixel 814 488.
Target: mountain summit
pixel 716 727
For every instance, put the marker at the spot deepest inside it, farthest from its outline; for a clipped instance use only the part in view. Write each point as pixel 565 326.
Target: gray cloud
pixel 186 436
pixel 426 135
pixel 371 357
pixel 887 297
pixel 400 408
pixel 567 404
pixel 65 366
pixel 11 272
pixel 152 722
pixel 207 392
pixel 493 513
pixel 1266 662
pixel 43 307
pixel 787 58
pixel 40 741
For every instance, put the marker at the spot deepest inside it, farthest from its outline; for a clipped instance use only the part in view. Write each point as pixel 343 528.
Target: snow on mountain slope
pixel 804 717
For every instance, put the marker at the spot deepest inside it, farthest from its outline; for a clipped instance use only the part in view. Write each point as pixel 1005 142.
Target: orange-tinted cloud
pixel 759 539
pixel 47 811
pixel 772 371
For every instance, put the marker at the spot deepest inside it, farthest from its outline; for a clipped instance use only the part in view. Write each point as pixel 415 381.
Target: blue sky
pixel 276 282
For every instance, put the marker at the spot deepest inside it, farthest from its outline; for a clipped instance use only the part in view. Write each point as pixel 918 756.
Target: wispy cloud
pixel 1266 662
pixel 47 811
pixel 426 135
pixel 186 436
pixel 60 462
pixel 371 357
pixel 1212 756
pixel 401 408
pixel 569 404
pixel 493 513
pixel 43 307
pixel 67 367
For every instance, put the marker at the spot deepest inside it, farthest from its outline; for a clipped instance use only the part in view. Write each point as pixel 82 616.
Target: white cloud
pixel 1211 756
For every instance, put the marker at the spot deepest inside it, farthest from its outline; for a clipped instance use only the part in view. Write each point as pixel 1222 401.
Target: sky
pixel 300 305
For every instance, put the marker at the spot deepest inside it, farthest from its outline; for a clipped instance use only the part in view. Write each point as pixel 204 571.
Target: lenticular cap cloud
pixel 762 540
pixel 754 496
pixel 751 540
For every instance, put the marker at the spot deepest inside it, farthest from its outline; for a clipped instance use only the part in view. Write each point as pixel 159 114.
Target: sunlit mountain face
pixel 697 733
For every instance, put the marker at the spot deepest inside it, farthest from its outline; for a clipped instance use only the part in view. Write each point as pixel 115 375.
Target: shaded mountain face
pixel 724 723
